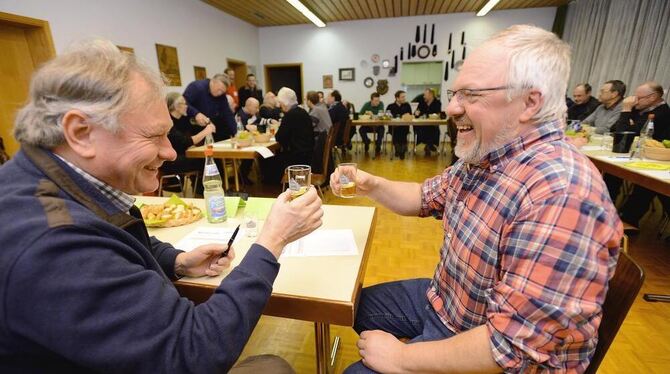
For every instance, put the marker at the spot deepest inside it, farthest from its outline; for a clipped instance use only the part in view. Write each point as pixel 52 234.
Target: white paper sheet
pixel 263 151
pixel 622 158
pixel 591 148
pixel 660 174
pixel 323 243
pixel 223 144
pixel 208 235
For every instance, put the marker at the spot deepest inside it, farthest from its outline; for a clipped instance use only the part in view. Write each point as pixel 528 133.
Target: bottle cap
pixel 209 151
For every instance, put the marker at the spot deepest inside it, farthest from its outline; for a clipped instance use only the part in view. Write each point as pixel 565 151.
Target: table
pixel 400 122
pixel 323 290
pixel 225 150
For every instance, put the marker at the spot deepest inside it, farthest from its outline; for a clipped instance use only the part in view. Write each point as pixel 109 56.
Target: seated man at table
pixel 376 107
pixel 248 117
pixel 84 288
pixel 208 103
pixel 339 114
pixel 648 99
pixel 583 104
pixel 607 113
pixel 398 108
pixel 295 135
pixel 429 135
pixel 531 238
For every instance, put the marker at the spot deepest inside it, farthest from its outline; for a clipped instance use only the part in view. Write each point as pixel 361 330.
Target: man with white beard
pixel 531 237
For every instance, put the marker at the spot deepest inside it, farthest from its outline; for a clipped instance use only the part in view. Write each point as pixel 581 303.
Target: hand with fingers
pixel 204 260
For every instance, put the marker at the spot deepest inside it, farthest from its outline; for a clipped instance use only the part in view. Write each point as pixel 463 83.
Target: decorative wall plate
pixel 375 58
pixel 364 64
pixel 368 82
pixel 386 64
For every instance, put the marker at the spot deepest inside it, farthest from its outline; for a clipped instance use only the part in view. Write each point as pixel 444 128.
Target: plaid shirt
pixel 120 199
pixel 531 240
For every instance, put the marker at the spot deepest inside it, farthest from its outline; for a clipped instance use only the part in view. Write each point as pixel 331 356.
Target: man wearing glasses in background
pixel 610 97
pixel 531 237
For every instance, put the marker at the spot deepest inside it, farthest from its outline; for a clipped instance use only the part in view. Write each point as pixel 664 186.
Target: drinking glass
pixel 347 179
pixel 607 141
pixel 299 179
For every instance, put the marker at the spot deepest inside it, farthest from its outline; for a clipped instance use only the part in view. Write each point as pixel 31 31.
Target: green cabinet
pixel 421 73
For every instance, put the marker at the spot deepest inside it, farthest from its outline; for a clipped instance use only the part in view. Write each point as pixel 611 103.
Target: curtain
pixel 619 39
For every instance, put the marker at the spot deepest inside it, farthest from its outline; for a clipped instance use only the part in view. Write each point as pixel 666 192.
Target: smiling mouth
pixel 463 128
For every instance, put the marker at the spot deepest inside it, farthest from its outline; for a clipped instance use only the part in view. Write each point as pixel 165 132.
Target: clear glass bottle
pixel 647 132
pixel 213 189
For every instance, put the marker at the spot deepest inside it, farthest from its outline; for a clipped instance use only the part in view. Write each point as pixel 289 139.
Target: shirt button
pixel 449 236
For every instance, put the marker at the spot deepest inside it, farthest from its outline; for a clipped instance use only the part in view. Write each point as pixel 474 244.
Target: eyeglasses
pixel 471 94
pixel 646 96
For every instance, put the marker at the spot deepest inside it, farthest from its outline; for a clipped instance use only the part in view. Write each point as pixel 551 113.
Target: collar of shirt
pixel 542 132
pixel 120 199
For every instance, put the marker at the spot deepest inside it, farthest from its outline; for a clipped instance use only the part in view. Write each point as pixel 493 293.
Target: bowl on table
pixel 364 117
pixel 656 153
pixel 262 138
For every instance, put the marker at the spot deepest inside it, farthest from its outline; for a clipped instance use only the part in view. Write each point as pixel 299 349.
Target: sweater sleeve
pixel 93 300
pixel 623 123
pixel 191 95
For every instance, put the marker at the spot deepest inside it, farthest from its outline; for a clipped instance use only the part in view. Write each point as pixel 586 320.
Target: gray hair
pixel 287 97
pixel 537 59
pixel 223 78
pixel 92 76
pixel 171 100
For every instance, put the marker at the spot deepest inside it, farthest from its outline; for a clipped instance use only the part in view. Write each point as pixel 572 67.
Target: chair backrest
pixel 347 130
pixel 330 143
pixel 623 288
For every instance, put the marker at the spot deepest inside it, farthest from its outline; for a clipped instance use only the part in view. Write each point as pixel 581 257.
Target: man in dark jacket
pixel 250 90
pixel 339 114
pixel 635 111
pixel 430 135
pixel 207 103
pixel 583 103
pixel 295 135
pixel 84 287
pixel 398 108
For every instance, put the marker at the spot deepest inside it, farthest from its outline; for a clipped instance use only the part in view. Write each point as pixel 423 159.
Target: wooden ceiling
pixel 279 12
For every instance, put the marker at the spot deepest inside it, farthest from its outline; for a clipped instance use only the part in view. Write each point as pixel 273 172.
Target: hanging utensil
pixel 409 51
pixel 434 50
pixel 449 51
pixel 463 53
pixel 417 37
pixel 446 71
pixel 432 34
pixel 414 51
pixel 452 59
pixel 425 26
pixel 402 54
pixel 462 37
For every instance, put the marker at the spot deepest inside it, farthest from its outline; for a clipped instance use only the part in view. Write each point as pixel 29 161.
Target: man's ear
pixel 533 102
pixel 77 133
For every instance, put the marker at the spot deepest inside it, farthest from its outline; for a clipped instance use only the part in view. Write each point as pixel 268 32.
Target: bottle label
pixel 211 170
pixel 217 207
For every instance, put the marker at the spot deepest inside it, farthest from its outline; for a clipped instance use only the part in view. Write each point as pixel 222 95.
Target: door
pixel 25 43
pixel 284 75
pixel 240 68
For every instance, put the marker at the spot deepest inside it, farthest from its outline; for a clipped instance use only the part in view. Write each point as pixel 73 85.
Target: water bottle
pixel 240 127
pixel 647 131
pixel 211 181
pixel 209 140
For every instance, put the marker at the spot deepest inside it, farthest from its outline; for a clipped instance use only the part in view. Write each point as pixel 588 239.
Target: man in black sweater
pixel 430 135
pixel 250 90
pixel 648 99
pixel 584 103
pixel 339 114
pixel 295 135
pixel 399 133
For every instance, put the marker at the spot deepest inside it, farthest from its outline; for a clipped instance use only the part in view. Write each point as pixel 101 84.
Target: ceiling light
pixel 307 13
pixel 482 12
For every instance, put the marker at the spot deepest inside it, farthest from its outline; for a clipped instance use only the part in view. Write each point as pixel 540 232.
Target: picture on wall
pixel 126 49
pixel 348 74
pixel 200 72
pixel 328 81
pixel 168 63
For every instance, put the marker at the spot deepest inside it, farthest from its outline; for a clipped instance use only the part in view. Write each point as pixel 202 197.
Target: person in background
pixel 607 113
pixel 232 90
pixel 250 90
pixel 231 103
pixel 376 107
pixel 248 114
pixel 269 112
pixel 635 110
pixel 584 104
pixel 183 135
pixel 318 112
pixel 322 99
pixel 84 287
pixel 339 114
pixel 531 238
pixel 207 103
pixel 430 135
pixel 399 133
pixel 295 135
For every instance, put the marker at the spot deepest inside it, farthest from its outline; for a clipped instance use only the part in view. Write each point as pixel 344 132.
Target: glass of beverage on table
pixel 347 179
pixel 607 141
pixel 299 179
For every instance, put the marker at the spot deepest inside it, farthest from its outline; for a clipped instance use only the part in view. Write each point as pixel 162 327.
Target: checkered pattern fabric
pixel 531 240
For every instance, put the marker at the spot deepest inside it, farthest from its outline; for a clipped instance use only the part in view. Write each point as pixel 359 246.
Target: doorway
pixel 25 44
pixel 284 75
pixel 240 68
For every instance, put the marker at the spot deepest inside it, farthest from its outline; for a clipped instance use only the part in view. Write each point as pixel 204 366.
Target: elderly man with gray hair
pixel 295 135
pixel 84 287
pixel 208 103
pixel 531 237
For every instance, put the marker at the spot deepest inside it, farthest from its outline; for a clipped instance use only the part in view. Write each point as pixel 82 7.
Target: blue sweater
pixel 200 100
pixel 84 288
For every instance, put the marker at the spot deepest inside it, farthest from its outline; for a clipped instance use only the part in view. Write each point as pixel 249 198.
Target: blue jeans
pixel 401 309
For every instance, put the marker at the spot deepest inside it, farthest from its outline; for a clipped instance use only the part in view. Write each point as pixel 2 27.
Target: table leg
pixel 325 357
pixel 225 174
pixel 237 179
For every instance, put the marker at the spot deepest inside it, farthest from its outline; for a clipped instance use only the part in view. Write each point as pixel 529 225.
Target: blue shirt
pixel 200 100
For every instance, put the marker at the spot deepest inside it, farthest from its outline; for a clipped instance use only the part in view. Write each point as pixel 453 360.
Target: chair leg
pixel 323 197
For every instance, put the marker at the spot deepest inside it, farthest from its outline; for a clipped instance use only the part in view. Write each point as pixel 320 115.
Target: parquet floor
pixel 408 248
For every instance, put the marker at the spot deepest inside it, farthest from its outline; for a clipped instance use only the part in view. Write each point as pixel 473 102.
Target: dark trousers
pixel 364 130
pixel 429 135
pixel 399 134
pixel 638 204
pixel 401 309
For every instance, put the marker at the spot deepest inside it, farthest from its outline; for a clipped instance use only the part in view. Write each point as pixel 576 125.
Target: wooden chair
pixel 168 181
pixel 623 288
